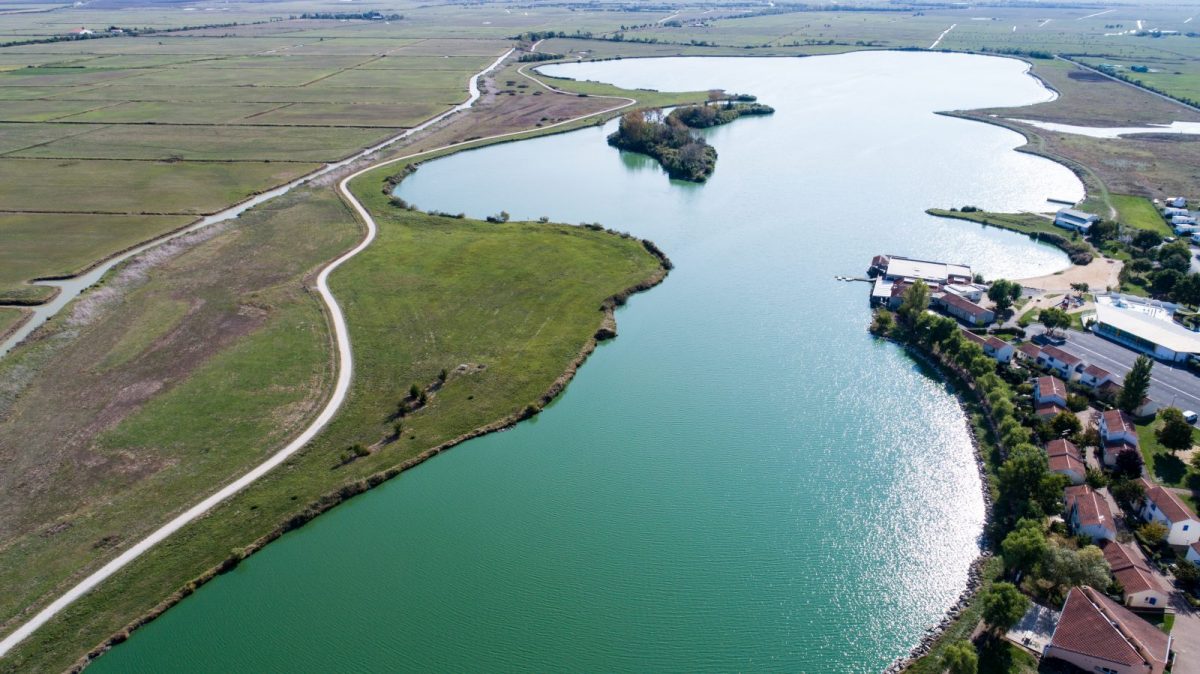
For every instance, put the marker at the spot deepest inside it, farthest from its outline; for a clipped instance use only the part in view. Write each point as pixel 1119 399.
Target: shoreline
pixel 975 570
pixel 606 330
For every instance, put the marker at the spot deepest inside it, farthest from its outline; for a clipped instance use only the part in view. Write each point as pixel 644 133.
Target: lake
pixel 744 479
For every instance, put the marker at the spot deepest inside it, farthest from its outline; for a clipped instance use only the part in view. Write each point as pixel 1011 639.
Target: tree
pixel 1067 567
pixel 1187 290
pixel 1176 432
pixel 960 658
pixel 1163 282
pixel 1054 318
pixel 1004 605
pixel 1136 385
pixel 1004 293
pixel 1146 239
pixel 1153 532
pixel 916 301
pixel 1066 424
pixel 1024 546
pixel 1128 494
pixel 414 391
pixel 1187 576
pixel 1128 463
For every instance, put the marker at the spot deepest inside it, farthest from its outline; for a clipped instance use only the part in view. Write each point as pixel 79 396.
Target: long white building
pixel 1145 326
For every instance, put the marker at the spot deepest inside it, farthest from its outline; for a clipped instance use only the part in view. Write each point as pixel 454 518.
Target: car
pixel 1047 338
pixel 1189 416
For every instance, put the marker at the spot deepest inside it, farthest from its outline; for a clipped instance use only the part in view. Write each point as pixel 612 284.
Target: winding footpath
pixel 345 364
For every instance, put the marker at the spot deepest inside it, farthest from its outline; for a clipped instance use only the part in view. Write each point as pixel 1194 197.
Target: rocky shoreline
pixel 975 571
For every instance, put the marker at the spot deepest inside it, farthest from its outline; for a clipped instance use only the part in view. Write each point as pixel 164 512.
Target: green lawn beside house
pixel 1139 212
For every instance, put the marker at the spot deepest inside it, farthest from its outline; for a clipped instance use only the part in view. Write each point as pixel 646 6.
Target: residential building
pixel 1176 202
pixel 964 310
pixel 1070 218
pixel 1193 553
pixel 1095 377
pixel 993 347
pixel 1117 434
pixel 1162 505
pixel 1029 352
pixel 971 292
pixel 1067 365
pixel 1088 513
pixel 1096 634
pixel 1049 396
pixel 1142 588
pixel 1146 326
pixel 1066 459
pixel 1172 211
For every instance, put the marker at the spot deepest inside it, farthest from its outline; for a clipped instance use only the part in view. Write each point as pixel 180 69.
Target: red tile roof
pixel 1130 569
pixel 1117 421
pixel 1049 387
pixel 978 339
pixel 1168 503
pixel 974 310
pixel 1066 463
pixel 996 343
pixel 1097 372
pixel 1062 446
pixel 1030 349
pixel 1049 410
pixel 1092 509
pixel 1062 356
pixel 1094 625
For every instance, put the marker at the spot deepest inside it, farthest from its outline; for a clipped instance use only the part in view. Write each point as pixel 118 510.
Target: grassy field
pixel 10 318
pixel 521 299
pixel 1166 467
pixel 1140 213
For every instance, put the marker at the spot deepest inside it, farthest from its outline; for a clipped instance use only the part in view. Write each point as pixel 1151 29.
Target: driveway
pixel 1170 385
pixel 1186 635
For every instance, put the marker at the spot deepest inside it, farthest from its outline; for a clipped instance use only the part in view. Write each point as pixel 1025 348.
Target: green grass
pixel 1139 212
pixel 38 245
pixel 1026 223
pixel 1162 463
pixel 9 318
pixel 522 298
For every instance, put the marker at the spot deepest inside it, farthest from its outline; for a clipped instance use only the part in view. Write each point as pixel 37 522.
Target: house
pixel 1088 513
pixel 1065 459
pixel 1095 377
pixel 1182 220
pixel 1142 588
pixel 1065 364
pixel 993 347
pixel 1193 553
pixel 1096 634
pixel 1176 202
pixel 1049 396
pixel 965 310
pixel 1172 211
pixel 1117 434
pixel 79 32
pixel 968 291
pixel 1069 218
pixel 1162 505
pixel 1028 352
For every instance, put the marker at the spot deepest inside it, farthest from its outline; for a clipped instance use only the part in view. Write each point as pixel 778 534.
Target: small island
pixel 670 140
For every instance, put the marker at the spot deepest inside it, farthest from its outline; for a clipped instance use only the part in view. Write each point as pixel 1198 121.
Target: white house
pixel 1142 588
pixel 1182 220
pixel 1094 377
pixel 1176 202
pixel 1171 211
pixel 1069 218
pixel 1162 505
pixel 1065 459
pixel 1117 434
pixel 1067 365
pixel 998 349
pixel 1193 553
pixel 1049 396
pixel 1088 513
pixel 1028 351
pixel 1096 634
pixel 968 291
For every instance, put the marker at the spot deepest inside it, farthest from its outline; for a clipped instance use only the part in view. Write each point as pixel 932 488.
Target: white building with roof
pixel 1070 218
pixel 1145 326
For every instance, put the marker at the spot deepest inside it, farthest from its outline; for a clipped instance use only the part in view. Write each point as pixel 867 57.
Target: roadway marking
pixel 1042 24
pixel 1121 366
pixel 1096 14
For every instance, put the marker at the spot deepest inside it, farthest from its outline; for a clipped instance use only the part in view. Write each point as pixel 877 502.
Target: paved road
pixel 1170 385
pixel 341 387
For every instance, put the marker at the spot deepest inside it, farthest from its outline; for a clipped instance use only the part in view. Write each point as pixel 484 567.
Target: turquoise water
pixel 743 480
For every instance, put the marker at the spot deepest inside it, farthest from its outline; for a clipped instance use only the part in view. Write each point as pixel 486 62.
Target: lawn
pixel 1139 212
pixel 1162 463
pixel 10 318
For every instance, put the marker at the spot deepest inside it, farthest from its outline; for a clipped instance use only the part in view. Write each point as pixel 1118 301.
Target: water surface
pixel 744 480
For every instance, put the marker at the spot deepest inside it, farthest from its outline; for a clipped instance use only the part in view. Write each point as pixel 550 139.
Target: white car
pixel 1189 416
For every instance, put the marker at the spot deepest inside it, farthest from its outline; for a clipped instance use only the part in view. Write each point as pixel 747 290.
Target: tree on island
pixel 1176 432
pixel 1136 385
pixel 1003 606
pixel 960 658
pixel 1003 293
